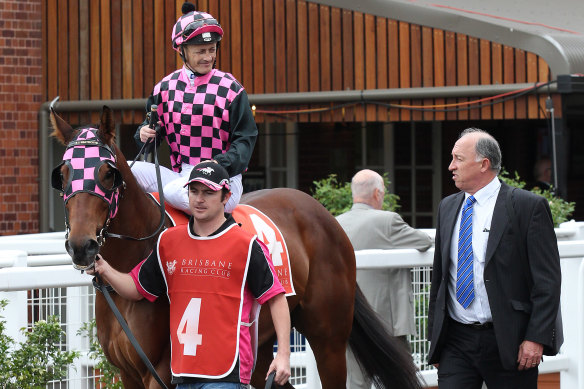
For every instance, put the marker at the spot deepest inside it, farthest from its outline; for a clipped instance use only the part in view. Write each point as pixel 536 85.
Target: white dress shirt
pixel 479 310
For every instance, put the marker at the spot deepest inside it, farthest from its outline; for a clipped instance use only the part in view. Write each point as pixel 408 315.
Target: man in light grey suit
pixel 389 291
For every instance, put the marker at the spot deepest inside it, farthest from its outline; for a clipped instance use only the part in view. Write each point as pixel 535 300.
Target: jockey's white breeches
pixel 173 183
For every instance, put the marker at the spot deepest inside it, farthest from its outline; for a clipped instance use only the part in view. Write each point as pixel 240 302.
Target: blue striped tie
pixel 464 272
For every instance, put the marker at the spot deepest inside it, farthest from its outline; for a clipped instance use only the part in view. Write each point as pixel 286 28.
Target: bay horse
pixel 328 308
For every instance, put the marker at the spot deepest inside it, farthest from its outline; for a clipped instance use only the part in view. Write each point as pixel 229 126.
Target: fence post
pixel 572 300
pixel 77 306
pixel 15 313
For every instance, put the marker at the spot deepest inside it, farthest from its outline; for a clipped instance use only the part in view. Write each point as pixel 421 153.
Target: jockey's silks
pixel 205 278
pixel 196 117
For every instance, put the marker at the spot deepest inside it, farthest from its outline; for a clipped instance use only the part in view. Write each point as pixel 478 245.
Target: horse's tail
pixel 380 355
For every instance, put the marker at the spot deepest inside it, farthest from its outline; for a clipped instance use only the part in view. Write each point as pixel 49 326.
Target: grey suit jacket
pixel 524 295
pixel 389 291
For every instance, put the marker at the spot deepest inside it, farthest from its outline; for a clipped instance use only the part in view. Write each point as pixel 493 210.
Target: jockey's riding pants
pixel 173 185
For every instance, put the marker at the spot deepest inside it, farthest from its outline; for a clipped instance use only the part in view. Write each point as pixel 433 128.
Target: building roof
pixel 551 29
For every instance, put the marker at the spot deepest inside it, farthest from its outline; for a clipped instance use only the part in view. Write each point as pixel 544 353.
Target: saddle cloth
pixel 257 223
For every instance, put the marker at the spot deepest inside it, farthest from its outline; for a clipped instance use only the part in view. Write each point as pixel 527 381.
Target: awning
pixel 551 29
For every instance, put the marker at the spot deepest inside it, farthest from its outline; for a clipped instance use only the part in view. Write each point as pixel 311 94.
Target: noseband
pixel 84 157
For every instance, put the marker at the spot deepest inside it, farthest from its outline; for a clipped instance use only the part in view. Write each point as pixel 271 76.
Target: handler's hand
pixel 281 364
pixel 529 355
pixel 147 133
pixel 100 267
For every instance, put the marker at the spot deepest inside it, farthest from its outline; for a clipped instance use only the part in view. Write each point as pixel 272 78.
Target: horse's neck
pixel 138 216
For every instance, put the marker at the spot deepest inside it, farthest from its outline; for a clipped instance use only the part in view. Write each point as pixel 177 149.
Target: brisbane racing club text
pixel 205 267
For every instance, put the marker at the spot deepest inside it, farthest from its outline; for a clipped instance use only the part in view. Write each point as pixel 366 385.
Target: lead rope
pixel 98 283
pixel 270 381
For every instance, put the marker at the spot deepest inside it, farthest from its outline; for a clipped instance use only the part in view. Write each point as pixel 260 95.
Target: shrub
pixel 110 375
pixel 336 196
pixel 38 359
pixel 561 209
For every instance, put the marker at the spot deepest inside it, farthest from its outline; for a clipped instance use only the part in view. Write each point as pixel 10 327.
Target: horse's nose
pixel 82 252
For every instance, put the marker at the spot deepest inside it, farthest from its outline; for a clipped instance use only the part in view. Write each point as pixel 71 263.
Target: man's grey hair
pixel 486 147
pixel 363 185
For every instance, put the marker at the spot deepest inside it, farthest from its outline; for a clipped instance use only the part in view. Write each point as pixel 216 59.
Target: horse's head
pixel 89 182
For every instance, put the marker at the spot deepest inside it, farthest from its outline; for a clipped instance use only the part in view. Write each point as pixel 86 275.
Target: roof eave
pixel 564 53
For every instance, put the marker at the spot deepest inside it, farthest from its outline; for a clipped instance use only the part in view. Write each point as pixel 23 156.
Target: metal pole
pixel 389 94
pixel 550 107
pixel 260 99
pixel 319 97
pixel 44 205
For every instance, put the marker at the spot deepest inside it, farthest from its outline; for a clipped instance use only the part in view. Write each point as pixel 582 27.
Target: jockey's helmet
pixel 195 27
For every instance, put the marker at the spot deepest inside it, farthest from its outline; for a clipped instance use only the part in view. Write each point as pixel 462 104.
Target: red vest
pixel 205 277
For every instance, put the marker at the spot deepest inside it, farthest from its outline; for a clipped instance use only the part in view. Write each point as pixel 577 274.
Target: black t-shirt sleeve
pixel 259 275
pixel 150 276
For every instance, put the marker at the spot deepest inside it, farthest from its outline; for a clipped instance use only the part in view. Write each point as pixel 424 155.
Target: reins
pixel 270 381
pixel 104 289
pixel 99 285
pixel 153 119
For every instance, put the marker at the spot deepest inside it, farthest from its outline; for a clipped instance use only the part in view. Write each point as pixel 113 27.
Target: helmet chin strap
pixel 184 58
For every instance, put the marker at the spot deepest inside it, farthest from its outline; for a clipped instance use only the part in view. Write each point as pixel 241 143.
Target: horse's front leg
pixel 162 368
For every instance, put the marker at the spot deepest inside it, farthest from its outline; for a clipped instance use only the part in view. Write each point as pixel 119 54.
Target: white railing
pixel 37 278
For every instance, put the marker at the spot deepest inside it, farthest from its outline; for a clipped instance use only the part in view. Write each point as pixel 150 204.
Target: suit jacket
pixel 524 294
pixel 389 291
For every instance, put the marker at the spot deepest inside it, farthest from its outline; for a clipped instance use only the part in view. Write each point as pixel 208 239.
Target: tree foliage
pixel 38 359
pixel 337 198
pixel 560 208
pixel 110 375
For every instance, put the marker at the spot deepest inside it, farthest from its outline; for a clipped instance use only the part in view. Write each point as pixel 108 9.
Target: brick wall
pixel 20 100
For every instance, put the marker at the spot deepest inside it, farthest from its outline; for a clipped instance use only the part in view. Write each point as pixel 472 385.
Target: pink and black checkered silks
pixel 196 117
pixel 84 156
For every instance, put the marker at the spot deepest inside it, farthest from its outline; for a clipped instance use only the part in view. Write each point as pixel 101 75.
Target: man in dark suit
pixel 495 290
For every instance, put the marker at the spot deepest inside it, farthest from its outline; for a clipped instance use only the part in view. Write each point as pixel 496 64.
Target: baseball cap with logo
pixel 210 174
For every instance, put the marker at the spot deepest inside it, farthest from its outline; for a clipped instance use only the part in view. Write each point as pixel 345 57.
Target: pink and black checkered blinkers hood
pixel 84 156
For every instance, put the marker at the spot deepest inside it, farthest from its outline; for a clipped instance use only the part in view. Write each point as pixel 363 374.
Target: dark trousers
pixel 471 356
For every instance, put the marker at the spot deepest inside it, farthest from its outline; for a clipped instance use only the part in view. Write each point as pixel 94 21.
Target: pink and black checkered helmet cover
pixel 196 24
pixel 84 156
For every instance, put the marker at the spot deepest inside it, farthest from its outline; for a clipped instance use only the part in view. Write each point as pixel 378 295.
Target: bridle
pixel 84 156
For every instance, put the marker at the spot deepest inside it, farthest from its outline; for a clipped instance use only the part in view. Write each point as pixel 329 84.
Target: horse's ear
pixel 107 128
pixel 61 129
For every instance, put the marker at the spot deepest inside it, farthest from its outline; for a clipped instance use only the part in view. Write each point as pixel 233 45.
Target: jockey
pixel 204 114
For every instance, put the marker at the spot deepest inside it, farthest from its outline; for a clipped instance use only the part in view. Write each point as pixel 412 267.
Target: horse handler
pixel 204 114
pixel 213 274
